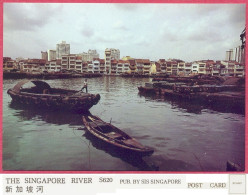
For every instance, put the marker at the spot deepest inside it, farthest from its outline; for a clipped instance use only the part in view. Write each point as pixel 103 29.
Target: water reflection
pixel 62 118
pixel 185 136
pixel 49 116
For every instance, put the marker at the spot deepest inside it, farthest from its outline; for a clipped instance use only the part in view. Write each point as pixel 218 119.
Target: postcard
pixel 123 94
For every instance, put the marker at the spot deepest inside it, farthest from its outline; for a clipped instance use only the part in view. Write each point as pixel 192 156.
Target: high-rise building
pixel 62 49
pixel 51 54
pixel 111 54
pixel 44 55
pixel 89 56
pixel 229 55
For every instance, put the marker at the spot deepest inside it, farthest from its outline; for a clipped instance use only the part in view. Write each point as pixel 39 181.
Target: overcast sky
pixel 184 31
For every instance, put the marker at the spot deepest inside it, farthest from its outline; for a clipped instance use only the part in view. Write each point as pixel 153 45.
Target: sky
pixel 152 31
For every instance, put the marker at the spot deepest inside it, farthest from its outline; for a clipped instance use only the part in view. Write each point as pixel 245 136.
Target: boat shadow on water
pixel 59 117
pixel 193 106
pixel 154 162
pixel 131 158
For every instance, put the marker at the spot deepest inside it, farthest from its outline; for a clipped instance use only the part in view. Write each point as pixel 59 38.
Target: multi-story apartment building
pixel 143 66
pixel 56 66
pixel 110 54
pixel 89 56
pixel 84 67
pixel 107 60
pixel 158 68
pixel 96 66
pixel 90 67
pixel 32 65
pixel 163 66
pixel 68 62
pixel 133 66
pixel 229 67
pixel 188 68
pixel 174 68
pixel 102 66
pixel 44 55
pixel 209 67
pixel 169 67
pixel 223 70
pixel 9 64
pixel 51 54
pixel 216 68
pixel 72 62
pixel 239 69
pixel 201 67
pixel 181 68
pixel 140 66
pixel 126 67
pixel 64 62
pixel 114 66
pixel 229 55
pixel 78 64
pixel 6 59
pixel 123 66
pixel 53 66
pixel 62 49
pixel 147 66
pixel 120 67
pixel 195 67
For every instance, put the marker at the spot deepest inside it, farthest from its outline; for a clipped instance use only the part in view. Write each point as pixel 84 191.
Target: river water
pixel 184 136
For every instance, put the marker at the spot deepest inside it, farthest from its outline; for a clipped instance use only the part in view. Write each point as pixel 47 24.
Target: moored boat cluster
pixel 214 90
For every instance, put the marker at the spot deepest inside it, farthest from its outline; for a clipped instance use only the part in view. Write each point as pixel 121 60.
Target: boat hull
pixel 67 100
pixel 129 145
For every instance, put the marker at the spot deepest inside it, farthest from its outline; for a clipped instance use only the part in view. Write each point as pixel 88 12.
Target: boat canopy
pixel 39 84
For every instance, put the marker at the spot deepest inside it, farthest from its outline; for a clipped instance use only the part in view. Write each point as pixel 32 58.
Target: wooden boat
pixel 114 136
pixel 42 95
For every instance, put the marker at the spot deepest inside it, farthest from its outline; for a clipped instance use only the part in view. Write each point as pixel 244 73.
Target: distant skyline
pixel 185 31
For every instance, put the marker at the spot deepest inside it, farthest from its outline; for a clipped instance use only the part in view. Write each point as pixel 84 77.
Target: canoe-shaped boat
pixel 114 136
pixel 42 95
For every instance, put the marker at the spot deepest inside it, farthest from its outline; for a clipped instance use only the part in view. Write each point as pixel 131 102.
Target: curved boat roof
pixel 39 84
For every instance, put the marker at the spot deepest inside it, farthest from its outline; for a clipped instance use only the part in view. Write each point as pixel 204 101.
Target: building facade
pixel 53 66
pixel 44 55
pixel 89 56
pixel 9 64
pixel 111 54
pixel 51 54
pixel 34 66
pixel 62 49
